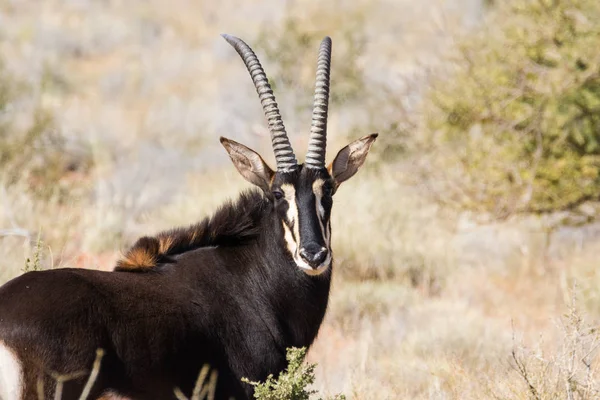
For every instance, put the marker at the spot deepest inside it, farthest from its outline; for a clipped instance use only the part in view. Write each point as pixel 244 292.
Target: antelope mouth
pixel 310 270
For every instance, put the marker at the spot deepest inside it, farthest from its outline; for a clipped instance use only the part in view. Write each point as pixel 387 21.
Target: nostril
pixel 320 256
pixel 314 257
pixel 305 254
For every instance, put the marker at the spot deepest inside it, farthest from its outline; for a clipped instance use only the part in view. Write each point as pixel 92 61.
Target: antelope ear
pixel 249 164
pixel 350 158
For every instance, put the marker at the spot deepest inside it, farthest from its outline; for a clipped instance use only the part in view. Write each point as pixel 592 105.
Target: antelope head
pixel 301 194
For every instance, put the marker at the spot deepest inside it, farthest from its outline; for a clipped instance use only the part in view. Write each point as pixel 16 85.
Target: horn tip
pixel 229 38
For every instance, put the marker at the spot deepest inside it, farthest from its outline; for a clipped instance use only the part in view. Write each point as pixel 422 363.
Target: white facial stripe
pixel 11 383
pixel 318 191
pixel 292 213
pixel 290 196
pixel 292 238
pixel 289 240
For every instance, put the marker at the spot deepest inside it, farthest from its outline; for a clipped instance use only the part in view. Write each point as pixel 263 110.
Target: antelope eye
pixel 327 190
pixel 277 194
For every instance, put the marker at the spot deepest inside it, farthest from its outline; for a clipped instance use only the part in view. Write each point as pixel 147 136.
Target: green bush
pixel 514 125
pixel 292 383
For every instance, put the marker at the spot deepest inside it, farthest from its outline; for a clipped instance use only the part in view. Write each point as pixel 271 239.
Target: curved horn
pixel 315 157
pixel 284 154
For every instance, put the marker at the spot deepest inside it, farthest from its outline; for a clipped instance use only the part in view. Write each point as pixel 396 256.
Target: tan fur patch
pixel 142 256
pixel 137 258
pixel 147 251
pixel 193 236
pixel 164 244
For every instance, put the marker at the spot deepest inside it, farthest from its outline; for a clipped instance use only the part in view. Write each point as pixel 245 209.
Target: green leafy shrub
pixel 292 383
pixel 515 124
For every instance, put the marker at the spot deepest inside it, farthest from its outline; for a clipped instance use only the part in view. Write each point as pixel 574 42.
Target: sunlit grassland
pixel 427 302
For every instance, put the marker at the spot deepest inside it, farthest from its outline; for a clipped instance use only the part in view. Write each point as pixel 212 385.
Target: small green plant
pixel 34 263
pixel 292 384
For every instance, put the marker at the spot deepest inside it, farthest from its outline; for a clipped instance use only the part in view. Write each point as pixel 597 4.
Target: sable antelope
pixel 233 291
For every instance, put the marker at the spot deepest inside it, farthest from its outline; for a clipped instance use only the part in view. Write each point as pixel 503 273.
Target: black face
pixel 303 201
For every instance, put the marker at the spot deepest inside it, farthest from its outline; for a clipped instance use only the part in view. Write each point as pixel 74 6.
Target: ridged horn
pixel 284 154
pixel 315 156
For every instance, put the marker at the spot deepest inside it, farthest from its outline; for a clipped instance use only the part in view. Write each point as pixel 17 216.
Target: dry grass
pixel 425 303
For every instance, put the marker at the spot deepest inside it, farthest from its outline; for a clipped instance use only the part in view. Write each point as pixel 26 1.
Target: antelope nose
pixel 314 255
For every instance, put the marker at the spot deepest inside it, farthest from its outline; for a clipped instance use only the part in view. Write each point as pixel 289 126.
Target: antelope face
pixel 301 194
pixel 303 201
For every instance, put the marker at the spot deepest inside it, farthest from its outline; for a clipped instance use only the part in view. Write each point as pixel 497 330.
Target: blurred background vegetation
pixel 466 249
pixel 516 115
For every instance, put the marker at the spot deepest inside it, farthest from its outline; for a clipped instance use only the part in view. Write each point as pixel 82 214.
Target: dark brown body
pixel 237 308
